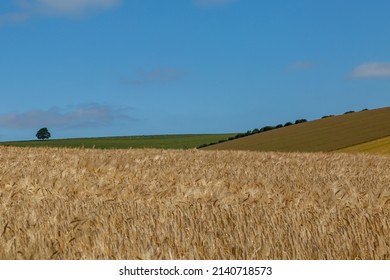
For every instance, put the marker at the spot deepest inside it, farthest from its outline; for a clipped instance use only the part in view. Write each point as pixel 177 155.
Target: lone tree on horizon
pixel 43 134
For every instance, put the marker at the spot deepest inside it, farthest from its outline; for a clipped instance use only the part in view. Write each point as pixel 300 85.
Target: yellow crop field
pixel 378 146
pixel 58 203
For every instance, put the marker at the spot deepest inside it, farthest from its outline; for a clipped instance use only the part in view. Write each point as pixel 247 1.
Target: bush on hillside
pixel 327 116
pixel 300 121
pixel 266 128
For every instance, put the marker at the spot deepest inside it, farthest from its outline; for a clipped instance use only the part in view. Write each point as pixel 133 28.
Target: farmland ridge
pixel 323 135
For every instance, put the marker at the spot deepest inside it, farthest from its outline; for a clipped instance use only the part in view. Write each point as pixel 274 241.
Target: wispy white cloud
pixel 301 65
pixel 13 18
pixel 371 70
pixel 210 3
pixel 155 76
pixel 74 6
pixel 27 9
pixel 81 116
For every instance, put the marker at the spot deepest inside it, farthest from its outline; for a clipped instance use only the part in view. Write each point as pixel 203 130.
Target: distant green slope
pixel 327 134
pixel 184 141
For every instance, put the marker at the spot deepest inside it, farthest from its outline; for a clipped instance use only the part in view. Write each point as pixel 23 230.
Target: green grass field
pixel 323 135
pixel 184 141
pixel 378 146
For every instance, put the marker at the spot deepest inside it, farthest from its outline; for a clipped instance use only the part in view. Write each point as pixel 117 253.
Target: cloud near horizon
pixel 81 116
pixel 371 70
pixel 27 9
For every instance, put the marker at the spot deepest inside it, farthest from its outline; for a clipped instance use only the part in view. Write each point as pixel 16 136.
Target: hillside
pixel 327 134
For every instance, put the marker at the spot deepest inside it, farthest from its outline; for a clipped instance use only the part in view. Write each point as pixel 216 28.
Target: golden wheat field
pixel 190 204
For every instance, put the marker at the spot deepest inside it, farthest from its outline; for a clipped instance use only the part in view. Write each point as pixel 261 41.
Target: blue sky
pixel 86 68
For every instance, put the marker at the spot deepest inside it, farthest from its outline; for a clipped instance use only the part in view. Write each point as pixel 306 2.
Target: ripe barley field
pixel 58 203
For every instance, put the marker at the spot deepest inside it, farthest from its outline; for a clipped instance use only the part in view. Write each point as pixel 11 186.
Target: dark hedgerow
pixel 327 116
pixel 266 128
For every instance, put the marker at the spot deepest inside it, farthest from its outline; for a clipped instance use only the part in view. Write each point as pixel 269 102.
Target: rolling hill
pixel 325 135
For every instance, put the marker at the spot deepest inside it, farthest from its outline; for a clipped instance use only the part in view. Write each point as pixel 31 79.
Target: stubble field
pixel 58 203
